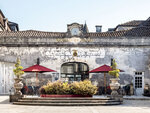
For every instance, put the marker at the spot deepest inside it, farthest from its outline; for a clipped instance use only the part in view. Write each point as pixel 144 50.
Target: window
pixel 138 79
pixel 74 71
pixel 139 73
pixel 138 82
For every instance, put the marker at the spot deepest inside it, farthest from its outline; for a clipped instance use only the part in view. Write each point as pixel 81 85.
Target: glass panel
pixel 138 73
pixel 64 69
pixel 138 82
pixel 70 76
pixel 74 69
pixel 71 79
pixel 78 79
pixel 78 75
pixel 63 75
pixel 70 69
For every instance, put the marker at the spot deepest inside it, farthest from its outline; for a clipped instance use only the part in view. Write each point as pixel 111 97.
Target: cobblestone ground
pixel 129 106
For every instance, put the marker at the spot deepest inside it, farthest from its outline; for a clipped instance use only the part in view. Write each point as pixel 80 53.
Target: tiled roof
pixel 31 33
pixel 1 18
pixel 146 23
pixel 143 29
pixel 2 21
pixel 106 34
pixel 139 31
pixel 135 32
pixel 132 23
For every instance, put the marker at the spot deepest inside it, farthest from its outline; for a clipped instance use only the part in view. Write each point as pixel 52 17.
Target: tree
pixel 18 71
pixel 115 71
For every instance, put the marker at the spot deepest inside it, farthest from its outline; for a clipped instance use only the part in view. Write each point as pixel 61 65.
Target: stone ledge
pixel 67 104
pixel 14 98
pixel 136 98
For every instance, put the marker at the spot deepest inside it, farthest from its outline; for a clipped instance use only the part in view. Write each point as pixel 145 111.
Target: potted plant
pixel 18 85
pixel 114 85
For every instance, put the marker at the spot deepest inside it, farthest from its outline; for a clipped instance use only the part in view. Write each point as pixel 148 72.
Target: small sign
pixel 74 40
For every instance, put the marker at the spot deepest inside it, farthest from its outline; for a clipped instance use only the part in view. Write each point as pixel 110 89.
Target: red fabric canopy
pixel 102 69
pixel 37 68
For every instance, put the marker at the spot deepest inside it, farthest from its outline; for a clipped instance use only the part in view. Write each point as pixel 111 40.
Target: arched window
pixel 74 71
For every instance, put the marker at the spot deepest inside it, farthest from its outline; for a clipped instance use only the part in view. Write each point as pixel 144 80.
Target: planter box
pixel 63 96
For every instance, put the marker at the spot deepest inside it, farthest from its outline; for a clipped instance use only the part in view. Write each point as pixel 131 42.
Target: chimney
pixel 6 23
pixel 98 28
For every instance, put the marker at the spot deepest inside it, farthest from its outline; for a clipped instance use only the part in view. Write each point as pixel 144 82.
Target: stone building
pixel 74 52
pixel 6 75
pixel 6 25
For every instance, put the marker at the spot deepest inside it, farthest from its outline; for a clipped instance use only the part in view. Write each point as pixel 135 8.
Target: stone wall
pixel 6 77
pixel 129 59
pixel 73 42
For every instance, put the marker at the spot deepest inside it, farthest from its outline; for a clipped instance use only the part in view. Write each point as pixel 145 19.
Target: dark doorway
pixel 74 71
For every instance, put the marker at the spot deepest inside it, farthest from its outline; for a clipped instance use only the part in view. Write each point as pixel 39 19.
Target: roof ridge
pixel 129 22
pixel 31 31
pixel 135 32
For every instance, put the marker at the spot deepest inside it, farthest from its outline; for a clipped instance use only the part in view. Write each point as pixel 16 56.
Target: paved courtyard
pixel 129 106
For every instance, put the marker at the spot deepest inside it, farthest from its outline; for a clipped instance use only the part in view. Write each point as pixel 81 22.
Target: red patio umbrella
pixel 38 69
pixel 103 69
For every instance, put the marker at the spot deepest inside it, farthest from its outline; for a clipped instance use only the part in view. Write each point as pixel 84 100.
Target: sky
pixel 54 15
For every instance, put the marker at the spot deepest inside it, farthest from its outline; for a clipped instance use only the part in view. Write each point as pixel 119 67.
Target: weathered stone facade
pixel 129 59
pixel 130 49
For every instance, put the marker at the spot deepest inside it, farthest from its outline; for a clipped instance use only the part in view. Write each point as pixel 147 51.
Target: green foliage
pixel 79 88
pixel 18 71
pixel 83 88
pixel 114 65
pixel 56 88
pixel 115 71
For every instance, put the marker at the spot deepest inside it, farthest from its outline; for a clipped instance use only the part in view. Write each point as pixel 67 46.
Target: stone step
pixel 66 101
pixel 86 101
pixel 76 98
pixel 67 104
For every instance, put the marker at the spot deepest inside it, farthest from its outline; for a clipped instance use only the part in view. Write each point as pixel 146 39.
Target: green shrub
pixel 56 88
pixel 83 88
pixel 18 70
pixel 115 71
pixel 79 88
